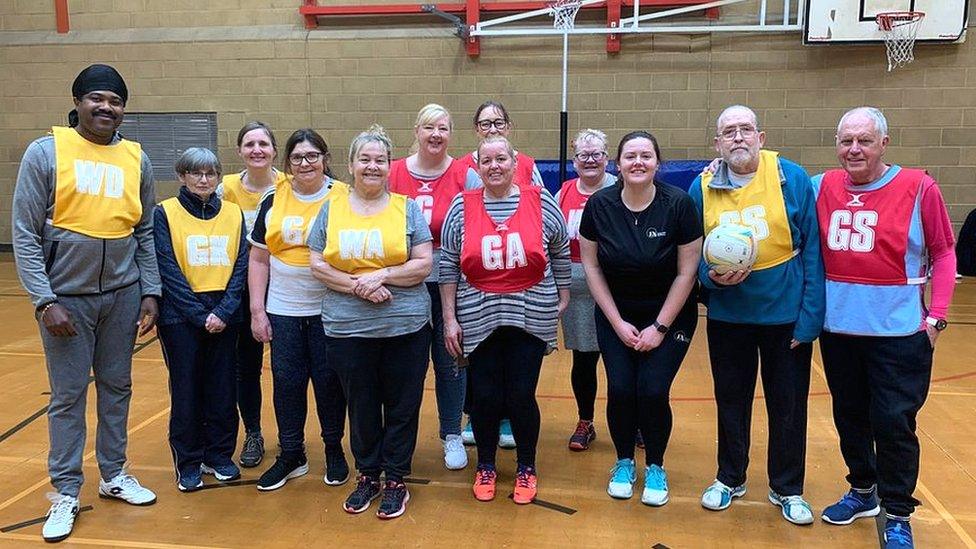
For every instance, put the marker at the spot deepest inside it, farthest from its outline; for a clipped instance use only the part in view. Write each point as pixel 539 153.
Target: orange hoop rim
pixel 891 19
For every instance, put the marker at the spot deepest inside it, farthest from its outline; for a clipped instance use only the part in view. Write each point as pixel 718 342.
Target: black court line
pixel 659 546
pixel 37 520
pixel 229 484
pixel 144 344
pixel 879 523
pixel 551 506
pixel 410 480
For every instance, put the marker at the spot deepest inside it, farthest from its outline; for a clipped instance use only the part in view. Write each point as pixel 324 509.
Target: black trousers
pixel 736 351
pixel 503 373
pixel 203 417
pixel 250 357
pixel 878 385
pixel 383 379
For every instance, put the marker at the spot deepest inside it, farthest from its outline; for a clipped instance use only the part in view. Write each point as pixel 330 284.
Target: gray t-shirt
pixel 346 315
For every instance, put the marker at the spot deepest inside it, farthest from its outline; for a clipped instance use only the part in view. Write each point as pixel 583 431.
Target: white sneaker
pixel 623 475
pixel 505 437
pixel 127 488
pixel 60 518
pixel 454 455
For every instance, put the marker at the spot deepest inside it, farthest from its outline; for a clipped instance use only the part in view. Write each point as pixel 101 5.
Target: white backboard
pixel 853 21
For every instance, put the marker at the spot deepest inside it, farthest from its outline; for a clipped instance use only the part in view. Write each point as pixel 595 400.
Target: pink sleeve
pixel 940 242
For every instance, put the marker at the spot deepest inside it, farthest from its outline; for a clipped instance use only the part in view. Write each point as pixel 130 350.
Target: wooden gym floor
pixel 574 509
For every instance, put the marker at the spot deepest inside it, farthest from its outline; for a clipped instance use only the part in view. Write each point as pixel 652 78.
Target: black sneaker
pixel 284 468
pixel 253 450
pixel 367 489
pixel 394 502
pixel 336 468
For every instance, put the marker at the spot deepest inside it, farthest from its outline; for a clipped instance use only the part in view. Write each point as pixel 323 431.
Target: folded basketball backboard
pixel 855 21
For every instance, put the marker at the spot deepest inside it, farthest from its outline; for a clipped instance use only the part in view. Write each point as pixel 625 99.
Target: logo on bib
pixel 855 200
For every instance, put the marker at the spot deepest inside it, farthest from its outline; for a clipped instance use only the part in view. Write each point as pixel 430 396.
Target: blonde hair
pixel 496 139
pixel 427 115
pixel 375 134
pixel 590 135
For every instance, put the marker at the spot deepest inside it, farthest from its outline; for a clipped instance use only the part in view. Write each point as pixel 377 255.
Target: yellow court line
pixel 936 504
pixel 110 542
pixel 26 492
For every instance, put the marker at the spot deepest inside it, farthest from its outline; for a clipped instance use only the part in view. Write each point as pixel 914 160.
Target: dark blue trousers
pixel 203 416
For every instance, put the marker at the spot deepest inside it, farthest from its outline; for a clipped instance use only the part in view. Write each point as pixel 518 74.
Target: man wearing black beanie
pixel 82 232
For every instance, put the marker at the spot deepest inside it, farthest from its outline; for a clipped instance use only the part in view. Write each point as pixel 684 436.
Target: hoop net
pixel 899 29
pixel 563 13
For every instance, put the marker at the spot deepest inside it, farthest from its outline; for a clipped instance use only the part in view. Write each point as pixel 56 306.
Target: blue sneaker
pixel 505 437
pixel 852 506
pixel 223 473
pixel 898 534
pixel 623 475
pixel 189 481
pixel 655 486
pixel 467 434
pixel 795 509
pixel 718 496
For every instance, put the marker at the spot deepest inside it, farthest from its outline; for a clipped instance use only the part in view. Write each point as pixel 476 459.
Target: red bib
pixel 572 202
pixel 504 257
pixel 864 235
pixel 433 196
pixel 523 169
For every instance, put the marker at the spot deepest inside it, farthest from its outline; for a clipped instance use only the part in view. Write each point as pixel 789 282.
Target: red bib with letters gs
pixel 508 256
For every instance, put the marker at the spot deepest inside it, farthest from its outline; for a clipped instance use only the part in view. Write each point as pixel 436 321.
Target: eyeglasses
pixel 498 123
pixel 591 157
pixel 311 158
pixel 198 176
pixel 745 131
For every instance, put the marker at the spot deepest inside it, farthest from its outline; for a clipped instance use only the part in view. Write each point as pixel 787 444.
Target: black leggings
pixel 503 373
pixel 639 383
pixel 584 382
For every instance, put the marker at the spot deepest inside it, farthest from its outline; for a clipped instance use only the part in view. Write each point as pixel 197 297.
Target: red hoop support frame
pixel 473 9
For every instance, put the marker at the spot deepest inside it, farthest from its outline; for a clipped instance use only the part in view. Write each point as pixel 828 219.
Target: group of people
pixel 470 263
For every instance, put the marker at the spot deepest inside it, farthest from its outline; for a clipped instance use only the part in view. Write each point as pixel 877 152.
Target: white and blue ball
pixel 730 247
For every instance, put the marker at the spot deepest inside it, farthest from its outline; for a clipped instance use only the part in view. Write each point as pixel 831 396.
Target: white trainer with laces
pixel 60 517
pixel 125 487
pixel 455 457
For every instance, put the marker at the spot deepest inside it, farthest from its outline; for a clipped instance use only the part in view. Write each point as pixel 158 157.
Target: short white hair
pixel 718 121
pixel 875 114
pixel 590 134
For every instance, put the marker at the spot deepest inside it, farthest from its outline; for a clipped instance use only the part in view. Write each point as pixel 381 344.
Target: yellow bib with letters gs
pixel 357 244
pixel 759 205
pixel 97 186
pixel 234 191
pixel 290 221
pixel 206 249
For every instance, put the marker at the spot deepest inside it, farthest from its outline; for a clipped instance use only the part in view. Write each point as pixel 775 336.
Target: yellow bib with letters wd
pixel 97 186
pixel 759 205
pixel 290 221
pixel 249 202
pixel 206 249
pixel 357 244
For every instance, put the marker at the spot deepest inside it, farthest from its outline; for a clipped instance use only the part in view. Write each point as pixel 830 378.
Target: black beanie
pixel 99 77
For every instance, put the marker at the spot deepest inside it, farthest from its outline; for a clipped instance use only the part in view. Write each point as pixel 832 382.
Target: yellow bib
pixel 205 249
pixel 290 221
pixel 249 202
pixel 758 205
pixel 97 186
pixel 357 244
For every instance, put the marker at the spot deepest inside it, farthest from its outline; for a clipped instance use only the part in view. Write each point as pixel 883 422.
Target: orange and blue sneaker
pixel 582 436
pixel 525 485
pixel 484 482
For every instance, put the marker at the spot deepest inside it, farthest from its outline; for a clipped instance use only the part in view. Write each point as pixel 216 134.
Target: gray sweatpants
pixel 106 326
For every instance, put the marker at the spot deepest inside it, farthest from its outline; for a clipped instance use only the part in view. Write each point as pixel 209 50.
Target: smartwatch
pixel 664 329
pixel 937 323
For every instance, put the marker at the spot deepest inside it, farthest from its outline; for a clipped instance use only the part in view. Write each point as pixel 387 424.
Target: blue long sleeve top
pixel 179 302
pixel 789 292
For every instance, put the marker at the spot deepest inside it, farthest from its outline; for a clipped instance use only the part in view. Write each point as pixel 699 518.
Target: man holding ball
pixel 771 310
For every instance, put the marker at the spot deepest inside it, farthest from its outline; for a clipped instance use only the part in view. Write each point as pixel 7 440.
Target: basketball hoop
pixel 899 29
pixel 563 13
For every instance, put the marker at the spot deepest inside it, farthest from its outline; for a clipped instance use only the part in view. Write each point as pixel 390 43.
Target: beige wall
pixel 341 81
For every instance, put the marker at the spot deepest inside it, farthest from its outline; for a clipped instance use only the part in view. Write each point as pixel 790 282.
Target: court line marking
pixel 946 515
pixel 38 520
pixel 110 542
pixel 41 355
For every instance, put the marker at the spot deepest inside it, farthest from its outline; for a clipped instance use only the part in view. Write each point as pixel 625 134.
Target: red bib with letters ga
pixel 433 196
pixel 864 235
pixel 505 257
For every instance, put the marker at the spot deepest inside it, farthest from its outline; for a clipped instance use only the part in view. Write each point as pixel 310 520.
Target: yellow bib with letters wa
pixel 249 202
pixel 759 205
pixel 357 244
pixel 206 249
pixel 97 186
pixel 290 221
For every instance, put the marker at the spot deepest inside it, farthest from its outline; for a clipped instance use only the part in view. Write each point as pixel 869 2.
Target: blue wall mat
pixel 679 173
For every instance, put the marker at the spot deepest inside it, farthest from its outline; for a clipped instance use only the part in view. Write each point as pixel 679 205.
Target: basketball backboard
pixel 853 21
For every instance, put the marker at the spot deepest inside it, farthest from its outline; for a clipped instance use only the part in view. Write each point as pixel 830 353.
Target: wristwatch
pixel 664 329
pixel 937 323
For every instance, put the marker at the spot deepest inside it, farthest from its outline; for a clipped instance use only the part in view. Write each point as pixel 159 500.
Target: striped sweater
pixel 534 310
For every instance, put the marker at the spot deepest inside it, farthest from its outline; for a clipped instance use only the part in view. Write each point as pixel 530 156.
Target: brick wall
pixel 341 82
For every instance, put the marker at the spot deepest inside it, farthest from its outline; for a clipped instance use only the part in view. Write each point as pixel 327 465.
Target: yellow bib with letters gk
pixel 206 249
pixel 97 186
pixel 759 205
pixel 290 221
pixel 357 244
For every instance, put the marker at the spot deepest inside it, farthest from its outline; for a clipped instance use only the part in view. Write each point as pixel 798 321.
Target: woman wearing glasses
pixel 491 119
pixel 257 147
pixel 579 332
pixel 202 255
pixel 286 307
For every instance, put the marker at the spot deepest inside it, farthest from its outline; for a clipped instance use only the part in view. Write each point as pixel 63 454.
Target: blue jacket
pixel 790 292
pixel 179 302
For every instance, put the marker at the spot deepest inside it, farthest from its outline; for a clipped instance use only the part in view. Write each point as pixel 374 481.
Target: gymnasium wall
pixel 247 59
